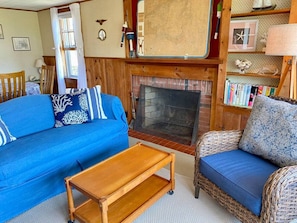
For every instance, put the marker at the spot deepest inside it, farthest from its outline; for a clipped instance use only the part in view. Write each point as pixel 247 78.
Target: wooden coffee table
pixel 122 187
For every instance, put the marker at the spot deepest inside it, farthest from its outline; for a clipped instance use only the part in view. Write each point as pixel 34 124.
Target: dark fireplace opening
pixel 168 113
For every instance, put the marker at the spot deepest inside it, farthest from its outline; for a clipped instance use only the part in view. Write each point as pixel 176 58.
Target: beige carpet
pixel 181 207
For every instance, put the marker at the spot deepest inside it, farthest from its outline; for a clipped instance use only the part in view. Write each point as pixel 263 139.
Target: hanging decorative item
pixel 101 32
pixel 124 29
pixel 130 37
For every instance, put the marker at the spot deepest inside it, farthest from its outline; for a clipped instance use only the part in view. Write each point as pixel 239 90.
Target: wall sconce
pixel 38 63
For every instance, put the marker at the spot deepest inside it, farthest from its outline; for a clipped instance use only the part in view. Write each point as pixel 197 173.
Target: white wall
pixel 112 10
pixel 17 23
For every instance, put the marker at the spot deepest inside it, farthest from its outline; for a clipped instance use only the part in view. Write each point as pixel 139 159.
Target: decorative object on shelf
pixel 1 32
pixel 38 64
pixel 243 35
pixel 264 40
pixel 261 5
pixel 281 41
pixel 243 65
pixel 268 69
pixel 21 43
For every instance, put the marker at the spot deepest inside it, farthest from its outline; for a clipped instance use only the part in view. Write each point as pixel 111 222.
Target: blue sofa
pixel 33 167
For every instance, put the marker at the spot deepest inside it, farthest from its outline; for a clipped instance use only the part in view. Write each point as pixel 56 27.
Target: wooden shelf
pixel 253 75
pixel 124 209
pixel 246 52
pixel 261 13
pixel 237 107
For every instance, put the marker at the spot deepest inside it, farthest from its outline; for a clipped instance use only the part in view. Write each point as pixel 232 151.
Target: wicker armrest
pixel 217 141
pixel 279 200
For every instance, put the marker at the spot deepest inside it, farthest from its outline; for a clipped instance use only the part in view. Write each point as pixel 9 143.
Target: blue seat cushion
pixel 240 174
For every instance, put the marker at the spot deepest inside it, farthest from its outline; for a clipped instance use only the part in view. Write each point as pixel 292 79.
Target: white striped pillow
pixel 94 101
pixel 5 136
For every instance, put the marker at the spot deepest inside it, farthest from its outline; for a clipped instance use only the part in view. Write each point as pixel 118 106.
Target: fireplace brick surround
pixel 181 84
pixel 176 74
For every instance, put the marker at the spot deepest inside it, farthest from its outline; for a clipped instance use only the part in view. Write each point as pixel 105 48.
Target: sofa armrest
pixel 214 142
pixel 279 198
pixel 113 107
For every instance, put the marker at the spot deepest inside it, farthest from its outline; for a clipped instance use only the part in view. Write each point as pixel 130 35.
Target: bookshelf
pixel 235 117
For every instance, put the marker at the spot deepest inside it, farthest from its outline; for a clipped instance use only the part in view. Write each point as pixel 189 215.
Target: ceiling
pixel 34 5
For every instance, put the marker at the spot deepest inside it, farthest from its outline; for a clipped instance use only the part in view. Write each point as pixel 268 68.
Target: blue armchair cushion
pixel 94 101
pixel 271 131
pixel 5 136
pixel 70 109
pixel 240 174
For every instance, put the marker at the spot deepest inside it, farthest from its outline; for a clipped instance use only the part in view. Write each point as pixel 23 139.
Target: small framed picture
pixel 243 35
pixel 1 32
pixel 21 43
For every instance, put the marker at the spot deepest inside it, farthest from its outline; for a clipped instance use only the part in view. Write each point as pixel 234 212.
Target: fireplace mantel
pixel 173 61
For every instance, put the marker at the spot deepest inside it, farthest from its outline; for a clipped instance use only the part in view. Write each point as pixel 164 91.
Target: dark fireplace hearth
pixel 168 113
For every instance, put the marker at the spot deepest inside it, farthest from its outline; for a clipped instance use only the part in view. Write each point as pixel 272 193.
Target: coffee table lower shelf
pixel 130 205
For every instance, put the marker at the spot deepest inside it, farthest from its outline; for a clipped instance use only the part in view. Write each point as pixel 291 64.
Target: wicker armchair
pixel 279 197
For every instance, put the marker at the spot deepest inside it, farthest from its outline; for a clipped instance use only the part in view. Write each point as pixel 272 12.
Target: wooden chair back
pixel 47 79
pixel 12 85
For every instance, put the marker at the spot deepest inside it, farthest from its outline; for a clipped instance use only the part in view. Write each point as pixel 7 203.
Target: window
pixel 69 48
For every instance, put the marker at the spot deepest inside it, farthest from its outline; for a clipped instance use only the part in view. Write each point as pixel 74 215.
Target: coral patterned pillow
pixel 271 131
pixel 70 109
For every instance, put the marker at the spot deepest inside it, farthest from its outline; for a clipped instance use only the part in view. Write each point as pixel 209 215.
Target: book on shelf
pixel 244 94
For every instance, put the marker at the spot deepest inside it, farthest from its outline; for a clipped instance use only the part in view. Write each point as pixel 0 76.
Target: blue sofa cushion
pixel 94 101
pixel 5 136
pixel 35 114
pixel 240 174
pixel 271 131
pixel 70 109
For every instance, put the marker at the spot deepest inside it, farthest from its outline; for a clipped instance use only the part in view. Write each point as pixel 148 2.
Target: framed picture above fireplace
pixel 159 34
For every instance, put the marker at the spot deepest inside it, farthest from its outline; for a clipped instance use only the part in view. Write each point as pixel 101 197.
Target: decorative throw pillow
pixel 70 109
pixel 94 101
pixel 5 136
pixel 271 131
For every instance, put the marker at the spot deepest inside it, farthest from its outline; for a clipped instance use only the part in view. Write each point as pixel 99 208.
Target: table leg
pixel 70 200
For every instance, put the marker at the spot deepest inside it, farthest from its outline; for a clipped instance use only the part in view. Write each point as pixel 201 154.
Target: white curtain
pixel 82 76
pixel 58 45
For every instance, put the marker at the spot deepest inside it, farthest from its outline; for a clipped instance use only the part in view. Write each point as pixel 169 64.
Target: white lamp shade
pixel 39 62
pixel 282 40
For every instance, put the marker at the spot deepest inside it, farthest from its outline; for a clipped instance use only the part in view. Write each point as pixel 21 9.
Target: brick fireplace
pixel 205 87
pixel 192 75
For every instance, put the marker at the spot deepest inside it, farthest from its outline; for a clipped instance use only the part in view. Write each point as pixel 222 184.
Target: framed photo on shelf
pixel 243 35
pixel 21 43
pixel 1 32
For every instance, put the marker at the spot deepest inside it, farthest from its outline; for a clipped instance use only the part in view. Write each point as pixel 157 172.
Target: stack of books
pixel 244 94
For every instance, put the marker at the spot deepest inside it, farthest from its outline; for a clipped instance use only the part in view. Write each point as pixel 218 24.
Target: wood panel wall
pixel 115 74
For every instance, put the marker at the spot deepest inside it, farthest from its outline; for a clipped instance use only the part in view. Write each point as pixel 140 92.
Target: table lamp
pixel 282 41
pixel 38 63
